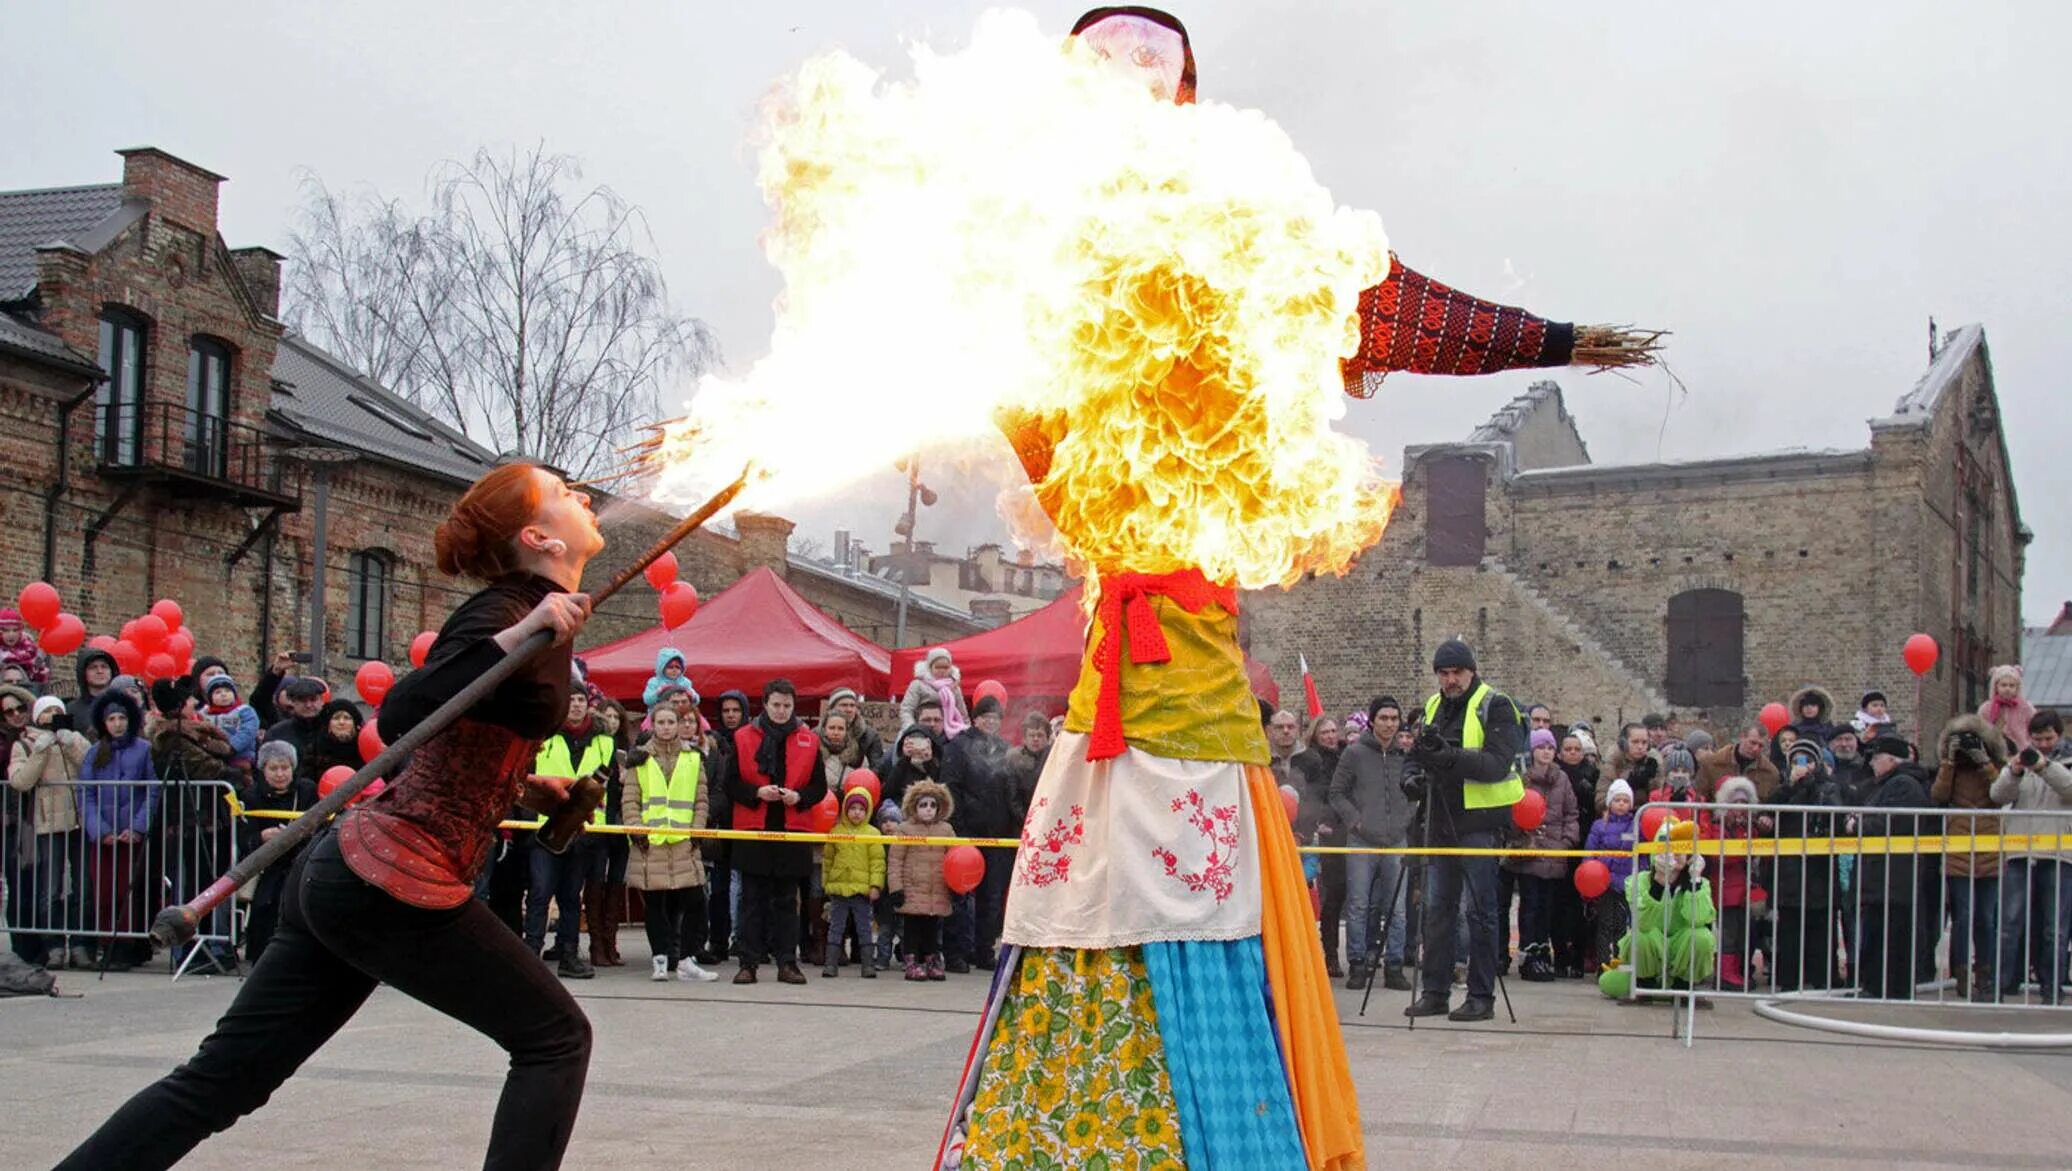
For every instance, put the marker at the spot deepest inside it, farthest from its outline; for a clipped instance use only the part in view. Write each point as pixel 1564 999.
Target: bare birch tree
pixel 521 309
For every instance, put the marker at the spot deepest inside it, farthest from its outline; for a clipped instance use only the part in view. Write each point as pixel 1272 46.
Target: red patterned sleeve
pixel 1412 322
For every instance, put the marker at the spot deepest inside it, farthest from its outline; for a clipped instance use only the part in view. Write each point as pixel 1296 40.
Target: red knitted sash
pixel 1126 614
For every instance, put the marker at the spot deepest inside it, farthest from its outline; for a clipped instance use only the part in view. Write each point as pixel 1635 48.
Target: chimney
pixel 841 548
pixel 2062 624
pixel 175 188
pixel 992 611
pixel 988 558
pixel 765 542
pixel 260 269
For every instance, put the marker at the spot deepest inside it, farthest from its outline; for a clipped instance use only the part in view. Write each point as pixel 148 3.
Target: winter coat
pixel 656 682
pixel 299 795
pixel 323 750
pixel 303 734
pixel 188 750
pixel 46 762
pixel 855 866
pixel 915 872
pixel 82 709
pixel 1618 768
pixel 1367 794
pixel 976 775
pixel 108 809
pixel 1809 880
pixel 2045 788
pixel 1557 829
pixel 239 723
pixel 672 865
pixel 1905 787
pixel 1723 762
pixel 899 772
pixel 1024 769
pixel 841 763
pixel 922 689
pixel 1312 770
pixel 1583 778
pixel 28 656
pixel 1963 785
pixel 2012 719
pixel 1614 834
pixel 1821 727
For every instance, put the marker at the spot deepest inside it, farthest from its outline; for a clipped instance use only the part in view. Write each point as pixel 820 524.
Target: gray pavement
pixel 854 1074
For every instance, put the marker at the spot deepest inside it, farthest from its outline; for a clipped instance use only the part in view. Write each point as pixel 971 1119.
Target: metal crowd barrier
pixel 1961 908
pixel 86 864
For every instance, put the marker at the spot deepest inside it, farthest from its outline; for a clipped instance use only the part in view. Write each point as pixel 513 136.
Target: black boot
pixel 1393 979
pixel 1474 1008
pixel 1429 1004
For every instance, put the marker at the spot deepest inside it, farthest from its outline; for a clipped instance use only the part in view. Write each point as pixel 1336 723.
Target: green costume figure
pixel 1671 940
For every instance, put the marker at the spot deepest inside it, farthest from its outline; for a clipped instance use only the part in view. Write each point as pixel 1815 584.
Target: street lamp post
pixel 322 460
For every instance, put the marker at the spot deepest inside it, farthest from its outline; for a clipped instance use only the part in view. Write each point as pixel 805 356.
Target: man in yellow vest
pixel 1468 751
pixel 579 748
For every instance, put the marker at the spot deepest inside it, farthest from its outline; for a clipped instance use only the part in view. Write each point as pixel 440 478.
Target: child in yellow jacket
pixel 853 875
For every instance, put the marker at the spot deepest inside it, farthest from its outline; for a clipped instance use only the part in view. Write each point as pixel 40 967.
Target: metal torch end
pixel 174 926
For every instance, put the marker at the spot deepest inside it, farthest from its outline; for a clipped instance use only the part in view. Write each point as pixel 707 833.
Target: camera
pixel 1969 746
pixel 1413 783
pixel 1644 773
pixel 1429 741
pixel 2031 758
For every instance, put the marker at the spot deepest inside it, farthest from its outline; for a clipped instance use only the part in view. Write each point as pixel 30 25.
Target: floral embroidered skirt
pixel 1161 1000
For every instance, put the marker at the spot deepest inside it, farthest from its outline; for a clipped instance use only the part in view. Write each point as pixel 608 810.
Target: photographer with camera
pixel 2036 884
pixel 1468 753
pixel 1972 755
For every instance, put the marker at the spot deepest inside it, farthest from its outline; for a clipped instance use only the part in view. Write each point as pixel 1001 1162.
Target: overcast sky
pixel 1793 188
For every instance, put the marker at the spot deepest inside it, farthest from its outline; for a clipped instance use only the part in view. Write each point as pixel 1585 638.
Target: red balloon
pixel 180 644
pixel 992 687
pixel 1920 653
pixel 374 680
pixel 168 612
pixel 1773 716
pixel 333 777
pixel 661 571
pixel 129 631
pixel 1593 878
pixel 1290 801
pixel 421 646
pixel 374 789
pixel 161 665
pixel 827 813
pixel 370 742
pixel 149 633
pixel 962 867
pixel 102 642
pixel 1651 823
pixel 679 602
pixel 39 604
pixel 866 780
pixel 128 658
pixel 64 635
pixel 1530 811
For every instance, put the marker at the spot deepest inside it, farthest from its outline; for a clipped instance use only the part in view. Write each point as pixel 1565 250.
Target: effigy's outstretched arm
pixel 1411 322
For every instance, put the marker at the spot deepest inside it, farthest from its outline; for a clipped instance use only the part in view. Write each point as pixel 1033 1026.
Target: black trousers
pixel 990 899
pixel 675 922
pixel 1331 890
pixel 769 926
pixel 1885 951
pixel 923 935
pixel 719 909
pixel 1805 948
pixel 338 938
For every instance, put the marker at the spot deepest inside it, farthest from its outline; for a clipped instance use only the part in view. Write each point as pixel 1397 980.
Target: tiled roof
pixel 31 219
pixel 328 400
pixel 21 337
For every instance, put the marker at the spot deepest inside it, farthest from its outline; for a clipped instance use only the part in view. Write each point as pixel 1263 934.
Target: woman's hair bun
pixel 480 538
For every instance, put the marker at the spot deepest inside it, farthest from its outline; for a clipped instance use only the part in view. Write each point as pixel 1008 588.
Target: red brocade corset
pixel 427 836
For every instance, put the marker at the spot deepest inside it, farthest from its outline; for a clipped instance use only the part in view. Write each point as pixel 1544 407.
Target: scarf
pixel 769 755
pixel 953 720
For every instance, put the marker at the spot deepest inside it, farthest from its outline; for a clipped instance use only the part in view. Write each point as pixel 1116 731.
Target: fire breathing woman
pixel 383 896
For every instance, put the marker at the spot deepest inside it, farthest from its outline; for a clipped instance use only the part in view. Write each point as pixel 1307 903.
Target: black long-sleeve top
pixel 531 703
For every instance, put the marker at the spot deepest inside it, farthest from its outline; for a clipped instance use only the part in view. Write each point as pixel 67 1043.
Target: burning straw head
pixel 1150 296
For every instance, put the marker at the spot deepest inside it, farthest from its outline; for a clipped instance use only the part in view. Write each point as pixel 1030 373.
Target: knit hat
pixel 989 706
pixel 168 696
pixel 208 690
pixel 842 693
pixel 1699 740
pixel 277 750
pixel 1618 789
pixel 43 704
pixel 1453 653
pixel 1869 696
pixel 1584 738
pixel 1654 720
pixel 1735 790
pixel 857 795
pixel 1677 758
pixel 10 619
pixel 1542 738
pixel 1889 745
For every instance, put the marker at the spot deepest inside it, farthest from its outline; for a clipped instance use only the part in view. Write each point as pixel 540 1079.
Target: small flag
pixel 1309 688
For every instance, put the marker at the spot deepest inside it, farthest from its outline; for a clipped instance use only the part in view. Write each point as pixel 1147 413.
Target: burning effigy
pixel 1163 310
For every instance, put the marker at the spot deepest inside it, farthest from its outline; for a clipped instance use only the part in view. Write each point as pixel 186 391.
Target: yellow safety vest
pixel 1482 794
pixel 553 761
pixel 673 803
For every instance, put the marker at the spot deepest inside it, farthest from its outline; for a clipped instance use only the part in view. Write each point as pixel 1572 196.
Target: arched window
pixel 119 401
pixel 207 421
pixel 367 577
pixel 1705 649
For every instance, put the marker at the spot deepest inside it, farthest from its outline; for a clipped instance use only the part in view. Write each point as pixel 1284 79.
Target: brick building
pixel 1710 587
pixel 163 436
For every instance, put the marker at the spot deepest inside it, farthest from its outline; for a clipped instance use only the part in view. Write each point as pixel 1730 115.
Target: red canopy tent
pixel 1036 657
pixel 748 634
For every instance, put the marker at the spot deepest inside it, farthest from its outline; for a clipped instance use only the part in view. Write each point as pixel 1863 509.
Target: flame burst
pixel 1152 299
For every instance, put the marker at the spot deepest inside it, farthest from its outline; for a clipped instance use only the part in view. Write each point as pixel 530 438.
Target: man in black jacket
pixel 303 699
pixel 976 774
pixel 1886 935
pixel 1468 751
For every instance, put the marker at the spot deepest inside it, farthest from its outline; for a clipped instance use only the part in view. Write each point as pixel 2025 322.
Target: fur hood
pixel 1734 787
pixel 1996 745
pixel 1817 695
pixel 920 789
pixel 921 668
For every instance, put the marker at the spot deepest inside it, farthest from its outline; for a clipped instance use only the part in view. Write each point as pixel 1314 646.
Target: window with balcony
pixel 368 574
pixel 119 401
pixel 205 430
